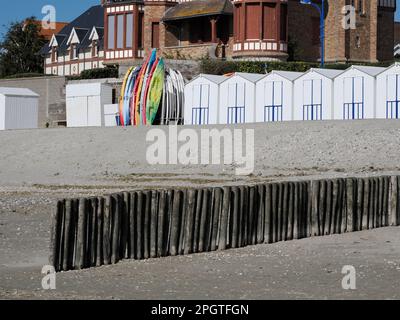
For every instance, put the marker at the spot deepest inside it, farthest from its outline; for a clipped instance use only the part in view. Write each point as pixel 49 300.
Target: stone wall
pixel 52 110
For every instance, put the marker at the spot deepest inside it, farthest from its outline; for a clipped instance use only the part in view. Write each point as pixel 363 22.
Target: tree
pixel 19 51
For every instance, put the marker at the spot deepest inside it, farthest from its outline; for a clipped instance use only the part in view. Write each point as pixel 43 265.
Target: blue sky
pixel 66 9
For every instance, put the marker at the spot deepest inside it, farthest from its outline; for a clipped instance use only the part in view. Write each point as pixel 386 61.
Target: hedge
pixel 100 73
pixel 221 67
pixel 25 75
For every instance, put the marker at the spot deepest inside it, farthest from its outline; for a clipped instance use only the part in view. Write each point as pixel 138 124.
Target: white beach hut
pixel 18 109
pixel 85 104
pixel 274 96
pixel 202 100
pixel 355 93
pixel 237 98
pixel 388 93
pixel 313 94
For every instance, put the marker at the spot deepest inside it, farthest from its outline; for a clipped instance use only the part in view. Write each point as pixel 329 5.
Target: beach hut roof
pixel 372 71
pixel 329 73
pixel 24 92
pixel 211 77
pixel 252 77
pixel 289 75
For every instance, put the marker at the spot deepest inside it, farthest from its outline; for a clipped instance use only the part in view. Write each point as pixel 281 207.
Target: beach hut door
pixel 353 107
pixel 236 103
pixel 273 101
pixel 312 95
pixel 201 104
pixel 393 96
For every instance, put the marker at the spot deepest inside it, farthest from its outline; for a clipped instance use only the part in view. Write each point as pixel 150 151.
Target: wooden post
pixel 366 199
pixel 107 231
pixel 360 202
pixel 125 202
pixel 268 222
pixel 100 228
pixel 376 202
pixel 335 205
pixel 55 236
pixel 153 224
pixel 116 225
pixel 223 233
pixel 203 220
pixel 297 189
pixel 175 222
pixel 314 204
pixel 285 211
pixel 261 214
pixel 82 233
pixel 393 204
pixel 252 212
pixel 280 211
pixel 146 224
pixel 189 227
pixel 386 188
pixel 371 203
pixel 181 243
pixel 289 234
pixel 162 232
pixel 93 232
pixel 141 201
pixel 235 222
pixel 328 211
pixel 274 212
pixel 68 236
pixel 197 222
pixel 380 203
pixel 132 225
pixel 321 207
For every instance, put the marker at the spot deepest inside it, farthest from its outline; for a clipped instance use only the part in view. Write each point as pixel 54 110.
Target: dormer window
pixel 73 52
pixel 54 54
pixel 95 49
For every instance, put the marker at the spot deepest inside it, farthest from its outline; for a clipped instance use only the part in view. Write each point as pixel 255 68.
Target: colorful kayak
pixel 155 92
pixel 143 97
pixel 122 95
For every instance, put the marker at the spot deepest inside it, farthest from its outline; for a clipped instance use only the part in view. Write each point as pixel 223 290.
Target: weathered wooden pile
pixel 148 224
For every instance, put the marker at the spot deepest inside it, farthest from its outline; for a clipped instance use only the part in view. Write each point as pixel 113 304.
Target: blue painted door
pixel 312 99
pixel 273 101
pixel 393 96
pixel 354 92
pixel 201 104
pixel 236 103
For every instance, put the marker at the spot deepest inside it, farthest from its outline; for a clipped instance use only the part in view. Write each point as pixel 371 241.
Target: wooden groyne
pixel 91 232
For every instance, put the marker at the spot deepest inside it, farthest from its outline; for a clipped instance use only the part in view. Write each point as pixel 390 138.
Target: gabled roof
pixel 328 73
pixel 198 8
pixel 372 71
pixel 87 41
pixel 289 75
pixel 83 25
pixel 252 77
pixel 212 78
pixel 24 92
pixel 77 35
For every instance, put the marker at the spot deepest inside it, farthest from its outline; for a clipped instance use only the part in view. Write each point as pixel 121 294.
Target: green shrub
pixel 100 73
pixel 221 67
pixel 25 75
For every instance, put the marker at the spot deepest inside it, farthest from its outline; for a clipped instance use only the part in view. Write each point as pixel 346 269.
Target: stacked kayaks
pixel 148 87
pixel 173 98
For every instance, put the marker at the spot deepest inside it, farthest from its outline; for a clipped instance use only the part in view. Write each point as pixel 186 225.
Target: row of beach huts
pixel 360 92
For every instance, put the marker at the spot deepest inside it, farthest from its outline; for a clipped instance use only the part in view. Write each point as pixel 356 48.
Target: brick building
pixel 233 29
